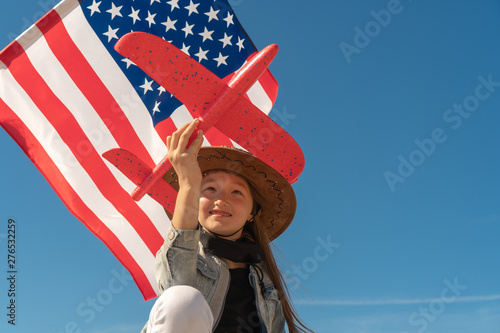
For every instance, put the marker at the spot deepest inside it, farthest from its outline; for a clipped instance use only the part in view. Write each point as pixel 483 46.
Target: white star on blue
pixel 204 29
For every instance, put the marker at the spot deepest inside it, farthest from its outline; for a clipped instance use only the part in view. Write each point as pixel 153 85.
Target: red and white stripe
pixel 66 102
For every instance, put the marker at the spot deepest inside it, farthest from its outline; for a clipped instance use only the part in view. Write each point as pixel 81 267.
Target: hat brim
pixel 279 196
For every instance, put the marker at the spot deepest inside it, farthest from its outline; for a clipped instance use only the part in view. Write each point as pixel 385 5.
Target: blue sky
pixel 395 105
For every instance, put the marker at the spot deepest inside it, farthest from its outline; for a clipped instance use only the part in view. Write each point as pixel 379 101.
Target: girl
pixel 216 270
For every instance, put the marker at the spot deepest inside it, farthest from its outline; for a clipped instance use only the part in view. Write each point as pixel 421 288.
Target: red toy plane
pixel 223 106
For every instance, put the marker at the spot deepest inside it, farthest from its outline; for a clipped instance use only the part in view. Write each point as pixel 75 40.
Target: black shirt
pixel 240 313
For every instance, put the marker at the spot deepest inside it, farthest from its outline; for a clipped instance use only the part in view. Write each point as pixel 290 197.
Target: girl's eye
pixel 210 188
pixel 237 192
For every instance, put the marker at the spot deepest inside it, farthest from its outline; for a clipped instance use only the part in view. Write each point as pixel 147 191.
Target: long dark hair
pixel 255 231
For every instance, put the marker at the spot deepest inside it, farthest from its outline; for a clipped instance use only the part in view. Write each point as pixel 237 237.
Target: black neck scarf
pixel 240 250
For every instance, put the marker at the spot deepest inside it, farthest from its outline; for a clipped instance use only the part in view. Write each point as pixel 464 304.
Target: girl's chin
pixel 219 230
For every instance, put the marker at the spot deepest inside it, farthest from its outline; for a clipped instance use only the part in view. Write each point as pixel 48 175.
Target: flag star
pixel 206 34
pixel 151 18
pixel 169 24
pixel 192 7
pixel 240 43
pixel 114 11
pixel 185 49
pixel 212 15
pixel 202 55
pixel 154 1
pixel 221 60
pixel 111 33
pixel 94 7
pixel 173 4
pixel 135 15
pixel 188 29
pixel 229 19
pixel 147 86
pixel 161 90
pixel 226 40
pixel 128 62
pixel 156 108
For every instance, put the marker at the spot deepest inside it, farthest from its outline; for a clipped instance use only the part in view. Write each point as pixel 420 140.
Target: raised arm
pixel 184 160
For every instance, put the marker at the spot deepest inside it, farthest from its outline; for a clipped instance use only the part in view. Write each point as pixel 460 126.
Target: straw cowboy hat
pixel 276 191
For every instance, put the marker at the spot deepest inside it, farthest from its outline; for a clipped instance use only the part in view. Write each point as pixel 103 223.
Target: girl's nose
pixel 220 201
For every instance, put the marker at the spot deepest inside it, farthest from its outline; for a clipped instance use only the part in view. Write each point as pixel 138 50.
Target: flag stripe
pixel 264 92
pixel 114 79
pixel 76 99
pixel 269 88
pixel 127 98
pixel 216 138
pixel 80 185
pixel 213 137
pixel 89 121
pixel 165 128
pixel 35 151
pixel 90 85
pixel 74 137
pixel 260 98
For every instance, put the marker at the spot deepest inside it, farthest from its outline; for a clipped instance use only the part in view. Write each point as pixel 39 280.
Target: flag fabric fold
pixel 66 97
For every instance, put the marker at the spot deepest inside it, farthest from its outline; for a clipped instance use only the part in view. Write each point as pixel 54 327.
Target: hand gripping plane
pixel 217 104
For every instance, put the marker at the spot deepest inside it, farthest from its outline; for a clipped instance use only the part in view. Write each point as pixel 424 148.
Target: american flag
pixel 66 97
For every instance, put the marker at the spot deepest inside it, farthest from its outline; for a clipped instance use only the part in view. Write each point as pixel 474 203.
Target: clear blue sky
pixel 396 106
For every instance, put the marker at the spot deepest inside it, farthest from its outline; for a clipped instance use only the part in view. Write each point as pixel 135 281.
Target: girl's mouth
pixel 219 213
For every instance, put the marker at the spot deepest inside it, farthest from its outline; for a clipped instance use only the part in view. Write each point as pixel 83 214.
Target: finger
pixel 184 139
pixel 197 143
pixel 169 139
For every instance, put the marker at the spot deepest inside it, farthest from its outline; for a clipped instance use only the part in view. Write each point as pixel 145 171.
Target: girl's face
pixel 225 203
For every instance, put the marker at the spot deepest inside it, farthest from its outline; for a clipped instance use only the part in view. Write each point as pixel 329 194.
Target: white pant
pixel 180 309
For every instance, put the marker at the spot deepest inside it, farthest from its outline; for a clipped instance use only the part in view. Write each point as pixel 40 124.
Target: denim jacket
pixel 182 260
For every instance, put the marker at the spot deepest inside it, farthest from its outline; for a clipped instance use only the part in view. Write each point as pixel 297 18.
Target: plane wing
pixel 199 89
pixel 183 77
pixel 137 171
